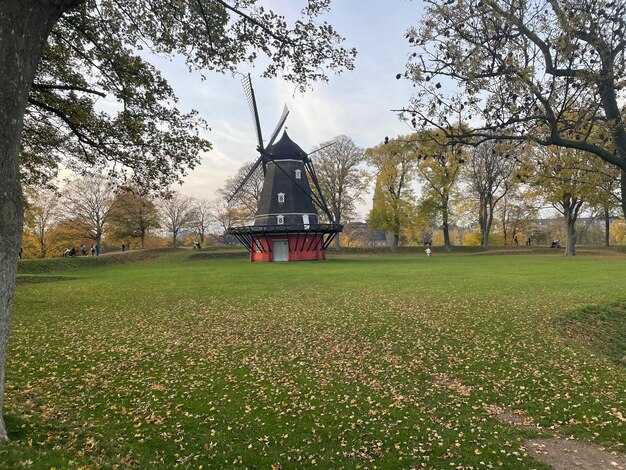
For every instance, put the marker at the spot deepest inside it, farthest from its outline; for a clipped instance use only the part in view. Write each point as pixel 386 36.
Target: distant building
pixel 359 234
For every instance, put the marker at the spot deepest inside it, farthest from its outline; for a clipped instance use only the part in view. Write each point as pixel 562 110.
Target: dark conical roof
pixel 286 149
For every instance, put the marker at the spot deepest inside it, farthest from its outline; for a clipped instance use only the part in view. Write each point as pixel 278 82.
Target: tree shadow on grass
pixel 598 328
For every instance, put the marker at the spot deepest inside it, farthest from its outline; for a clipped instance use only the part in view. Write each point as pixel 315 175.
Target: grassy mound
pixel 218 252
pixel 600 328
pixel 61 264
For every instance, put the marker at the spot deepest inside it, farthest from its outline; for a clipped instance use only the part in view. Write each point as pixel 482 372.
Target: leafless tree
pixel 247 198
pixel 341 177
pixel 489 173
pixel 202 217
pixel 516 212
pixel 177 213
pixel 88 204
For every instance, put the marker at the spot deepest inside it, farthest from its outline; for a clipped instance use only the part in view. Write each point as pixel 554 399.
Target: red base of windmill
pixel 299 247
pixel 269 244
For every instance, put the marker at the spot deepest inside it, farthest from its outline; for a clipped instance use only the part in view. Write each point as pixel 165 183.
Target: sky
pixel 355 103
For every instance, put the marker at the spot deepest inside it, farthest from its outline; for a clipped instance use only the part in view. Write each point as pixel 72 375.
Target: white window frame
pixel 280 220
pixel 298 174
pixel 281 197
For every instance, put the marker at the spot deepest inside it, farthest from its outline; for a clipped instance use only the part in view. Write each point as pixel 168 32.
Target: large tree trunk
pixel 42 247
pixel 337 217
pixel 570 211
pixel 446 230
pixel 607 227
pixel 24 28
pixel 482 218
pixel 394 242
pixel 623 192
pixel 488 221
pixel 570 248
pixel 338 242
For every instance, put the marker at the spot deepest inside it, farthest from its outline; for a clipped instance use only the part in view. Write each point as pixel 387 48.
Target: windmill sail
pixel 247 87
pixel 320 195
pixel 279 126
pixel 245 179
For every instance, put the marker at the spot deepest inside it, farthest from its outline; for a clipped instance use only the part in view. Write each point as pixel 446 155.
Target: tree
pixel 133 216
pixel 226 215
pixel 569 179
pixel 549 72
pixel 41 216
pixel 341 179
pixel 518 208
pixel 177 213
pixel 439 169
pixel 88 204
pixel 609 196
pixel 490 175
pixel 201 218
pixel 395 163
pixel 246 200
pixel 89 53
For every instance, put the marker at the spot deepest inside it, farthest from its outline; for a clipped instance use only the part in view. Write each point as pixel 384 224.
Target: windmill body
pixel 286 191
pixel 287 224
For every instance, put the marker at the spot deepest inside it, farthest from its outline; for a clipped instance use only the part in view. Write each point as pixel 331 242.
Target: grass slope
pixel 599 328
pixel 372 361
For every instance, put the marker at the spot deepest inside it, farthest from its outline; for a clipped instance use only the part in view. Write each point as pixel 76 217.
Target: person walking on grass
pixel 93 249
pixel 97 249
pixel 83 248
pixel 123 247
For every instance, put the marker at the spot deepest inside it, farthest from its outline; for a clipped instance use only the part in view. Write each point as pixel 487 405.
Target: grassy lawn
pixel 373 361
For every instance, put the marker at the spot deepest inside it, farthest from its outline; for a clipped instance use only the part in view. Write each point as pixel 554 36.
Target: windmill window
pixel 298 174
pixel 280 220
pixel 281 197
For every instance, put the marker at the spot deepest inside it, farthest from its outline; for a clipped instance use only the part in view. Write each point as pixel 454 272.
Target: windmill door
pixel 281 250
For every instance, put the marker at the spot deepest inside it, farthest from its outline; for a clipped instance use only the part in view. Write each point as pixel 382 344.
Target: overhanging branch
pixel 47 86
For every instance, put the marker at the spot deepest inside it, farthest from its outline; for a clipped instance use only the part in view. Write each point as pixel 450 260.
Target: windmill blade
pixel 247 88
pixel 320 196
pixel 245 179
pixel 321 148
pixel 279 126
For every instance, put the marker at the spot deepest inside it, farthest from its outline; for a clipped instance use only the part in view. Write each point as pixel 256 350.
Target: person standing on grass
pixel 428 251
pixel 97 249
pixel 93 249
pixel 123 247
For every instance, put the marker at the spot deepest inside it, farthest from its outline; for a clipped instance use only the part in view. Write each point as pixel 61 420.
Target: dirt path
pixel 559 452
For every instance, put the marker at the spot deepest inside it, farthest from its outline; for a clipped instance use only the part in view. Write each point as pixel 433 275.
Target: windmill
pixel 286 225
